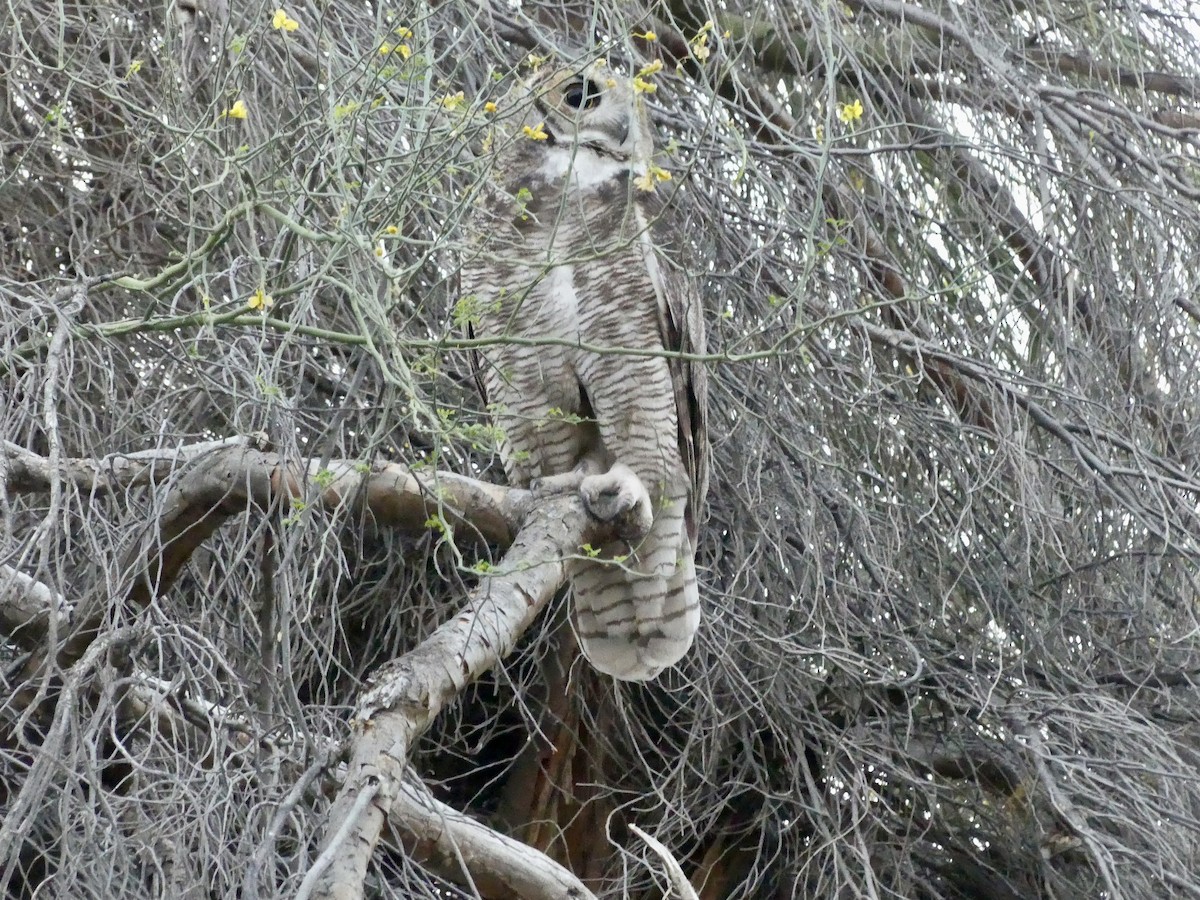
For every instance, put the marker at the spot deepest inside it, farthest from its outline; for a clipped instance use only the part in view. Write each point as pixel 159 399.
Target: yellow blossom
pixel 454 101
pixel 392 229
pixel 642 86
pixel 237 111
pixel 385 48
pixel 651 68
pixel 283 21
pixel 654 174
pixel 648 36
pixel 404 50
pixel 405 34
pixel 260 300
pixel 134 67
pixel 536 133
pixel 490 107
pixel 850 112
pixel 700 48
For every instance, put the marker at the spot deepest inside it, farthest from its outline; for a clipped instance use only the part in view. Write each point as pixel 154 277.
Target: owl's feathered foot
pixel 616 497
pixel 565 482
pixel 619 498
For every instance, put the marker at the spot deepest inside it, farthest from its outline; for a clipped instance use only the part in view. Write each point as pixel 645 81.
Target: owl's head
pixel 590 108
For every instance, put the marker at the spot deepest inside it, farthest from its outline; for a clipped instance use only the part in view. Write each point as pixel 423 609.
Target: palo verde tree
pixel 271 625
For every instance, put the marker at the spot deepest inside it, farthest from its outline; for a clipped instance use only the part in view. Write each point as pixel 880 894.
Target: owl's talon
pixel 619 498
pixel 566 483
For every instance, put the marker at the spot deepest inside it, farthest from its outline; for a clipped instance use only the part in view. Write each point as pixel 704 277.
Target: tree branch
pixel 408 693
pixel 27 472
pixel 1072 64
pixel 233 479
pixel 675 875
pixel 498 865
pixel 28 608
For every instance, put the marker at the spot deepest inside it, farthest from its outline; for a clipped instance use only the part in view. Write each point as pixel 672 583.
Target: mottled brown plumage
pixel 566 252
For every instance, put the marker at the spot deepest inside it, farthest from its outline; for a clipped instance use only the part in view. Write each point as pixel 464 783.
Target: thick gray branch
pixel 499 866
pixel 27 472
pixel 675 874
pixel 407 694
pixel 234 479
pixel 29 608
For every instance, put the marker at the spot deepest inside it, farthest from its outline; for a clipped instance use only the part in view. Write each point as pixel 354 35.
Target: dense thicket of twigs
pixel 950 254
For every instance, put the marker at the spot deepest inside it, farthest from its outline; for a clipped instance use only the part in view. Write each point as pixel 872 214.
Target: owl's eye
pixel 583 94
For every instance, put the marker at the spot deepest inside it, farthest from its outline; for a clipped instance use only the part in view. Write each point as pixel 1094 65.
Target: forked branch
pixel 408 693
pixel 405 695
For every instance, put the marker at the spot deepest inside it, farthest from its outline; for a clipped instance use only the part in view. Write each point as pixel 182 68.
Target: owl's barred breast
pixel 575 275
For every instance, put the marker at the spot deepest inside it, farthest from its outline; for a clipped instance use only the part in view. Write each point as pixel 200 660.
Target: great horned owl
pixel 563 257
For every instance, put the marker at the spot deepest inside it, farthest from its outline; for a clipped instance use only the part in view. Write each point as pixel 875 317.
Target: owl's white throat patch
pixel 587 168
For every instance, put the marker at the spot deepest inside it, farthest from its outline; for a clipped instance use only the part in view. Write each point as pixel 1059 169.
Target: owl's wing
pixel 473 273
pixel 681 327
pixel 476 360
pixel 466 283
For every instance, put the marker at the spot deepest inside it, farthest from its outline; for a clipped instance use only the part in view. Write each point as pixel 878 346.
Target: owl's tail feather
pixel 636 618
